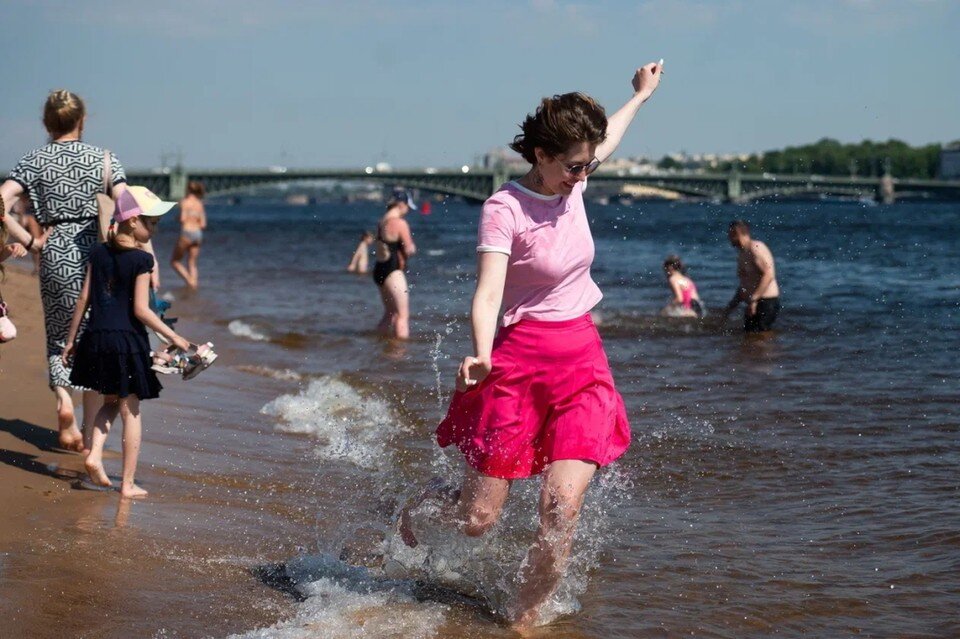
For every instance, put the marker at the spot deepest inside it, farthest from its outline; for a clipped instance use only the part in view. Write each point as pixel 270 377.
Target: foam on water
pixel 347 425
pixel 348 602
pixel 284 375
pixel 242 329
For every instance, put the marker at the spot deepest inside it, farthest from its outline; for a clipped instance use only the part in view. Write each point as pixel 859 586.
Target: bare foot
pixel 132 492
pixel 70 437
pixel 97 474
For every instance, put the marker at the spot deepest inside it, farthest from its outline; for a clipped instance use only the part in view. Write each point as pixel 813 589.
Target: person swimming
pixel 686 301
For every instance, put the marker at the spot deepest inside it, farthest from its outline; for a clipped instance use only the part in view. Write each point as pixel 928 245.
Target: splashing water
pixel 486 568
pixel 348 602
pixel 435 355
pixel 348 425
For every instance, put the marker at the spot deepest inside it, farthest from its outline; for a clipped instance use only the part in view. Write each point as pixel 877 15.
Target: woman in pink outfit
pixel 537 395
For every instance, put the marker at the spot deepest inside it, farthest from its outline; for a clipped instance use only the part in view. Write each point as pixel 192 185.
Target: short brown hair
pixel 196 188
pixel 62 112
pixel 559 123
pixel 740 226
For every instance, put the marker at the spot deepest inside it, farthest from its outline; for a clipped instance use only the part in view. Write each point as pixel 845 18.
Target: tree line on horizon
pixel 831 157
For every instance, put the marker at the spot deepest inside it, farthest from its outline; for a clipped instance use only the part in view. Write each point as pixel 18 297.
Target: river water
pixel 802 484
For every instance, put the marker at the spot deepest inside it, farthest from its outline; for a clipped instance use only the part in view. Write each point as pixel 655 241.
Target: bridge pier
pixel 501 175
pixel 178 183
pixel 886 192
pixel 734 187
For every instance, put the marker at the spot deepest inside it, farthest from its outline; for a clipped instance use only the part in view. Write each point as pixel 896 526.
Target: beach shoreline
pixel 81 563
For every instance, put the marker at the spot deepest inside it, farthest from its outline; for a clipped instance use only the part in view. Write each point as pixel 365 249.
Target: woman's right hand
pixel 473 370
pixel 181 343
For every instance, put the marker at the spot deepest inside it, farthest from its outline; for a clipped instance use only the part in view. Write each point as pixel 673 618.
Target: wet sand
pixel 78 563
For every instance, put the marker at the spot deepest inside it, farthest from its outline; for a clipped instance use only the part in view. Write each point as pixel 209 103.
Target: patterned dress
pixel 62 180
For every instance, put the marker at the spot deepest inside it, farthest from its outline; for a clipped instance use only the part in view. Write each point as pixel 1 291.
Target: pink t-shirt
pixel 550 247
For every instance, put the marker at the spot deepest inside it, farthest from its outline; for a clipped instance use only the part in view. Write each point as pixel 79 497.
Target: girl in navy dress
pixel 113 354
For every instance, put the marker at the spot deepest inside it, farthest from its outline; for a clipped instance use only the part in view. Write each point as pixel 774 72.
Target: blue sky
pixel 425 83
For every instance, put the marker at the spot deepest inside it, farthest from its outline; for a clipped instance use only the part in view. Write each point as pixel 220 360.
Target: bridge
pixel 477 184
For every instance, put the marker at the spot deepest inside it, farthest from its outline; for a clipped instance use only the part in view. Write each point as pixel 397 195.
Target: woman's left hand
pixel 647 78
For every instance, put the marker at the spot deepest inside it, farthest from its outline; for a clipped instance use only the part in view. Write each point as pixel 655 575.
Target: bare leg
pixel 130 413
pixel 193 255
pixel 396 287
pixel 383 326
pixel 99 430
pixel 70 436
pixel 178 252
pixel 92 401
pixel 564 486
pixel 475 507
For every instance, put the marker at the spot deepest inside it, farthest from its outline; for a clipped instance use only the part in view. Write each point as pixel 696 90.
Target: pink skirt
pixel 549 396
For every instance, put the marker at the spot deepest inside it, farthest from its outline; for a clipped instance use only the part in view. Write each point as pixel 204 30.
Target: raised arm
pixel 645 82
pixel 491 275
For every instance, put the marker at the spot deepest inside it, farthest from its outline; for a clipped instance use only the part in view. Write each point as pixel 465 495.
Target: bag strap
pixel 107 172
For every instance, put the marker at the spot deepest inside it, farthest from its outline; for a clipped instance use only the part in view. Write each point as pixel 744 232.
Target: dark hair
pixel 559 123
pixel 365 235
pixel 62 112
pixel 673 261
pixel 196 189
pixel 740 226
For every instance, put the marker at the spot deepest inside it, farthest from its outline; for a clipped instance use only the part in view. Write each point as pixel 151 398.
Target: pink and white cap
pixel 139 200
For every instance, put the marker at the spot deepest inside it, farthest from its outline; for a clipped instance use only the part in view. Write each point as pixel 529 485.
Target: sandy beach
pixel 77 563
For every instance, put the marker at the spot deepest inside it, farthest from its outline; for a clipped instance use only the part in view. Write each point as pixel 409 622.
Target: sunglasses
pixel 577 169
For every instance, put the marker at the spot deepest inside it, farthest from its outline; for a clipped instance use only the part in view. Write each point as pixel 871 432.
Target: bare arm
pixel 143 312
pixel 491 275
pixel 677 291
pixel 409 248
pixel 82 301
pixel 155 273
pixel 645 82
pixel 203 217
pixel 10 191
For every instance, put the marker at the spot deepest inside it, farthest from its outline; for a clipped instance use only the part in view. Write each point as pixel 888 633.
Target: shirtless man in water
pixel 758 280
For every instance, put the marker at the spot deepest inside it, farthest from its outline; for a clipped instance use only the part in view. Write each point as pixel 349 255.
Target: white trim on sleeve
pixel 487 248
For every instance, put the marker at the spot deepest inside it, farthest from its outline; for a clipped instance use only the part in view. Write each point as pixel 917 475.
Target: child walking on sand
pixel 113 354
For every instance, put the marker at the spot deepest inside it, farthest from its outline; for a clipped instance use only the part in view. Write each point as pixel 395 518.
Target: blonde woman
pixel 62 178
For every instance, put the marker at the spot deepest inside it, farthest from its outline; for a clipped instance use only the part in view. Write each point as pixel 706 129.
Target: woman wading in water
pixel 537 395
pixel 193 222
pixel 394 244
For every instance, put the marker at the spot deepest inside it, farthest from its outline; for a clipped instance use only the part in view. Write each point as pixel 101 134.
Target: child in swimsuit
pixel 686 301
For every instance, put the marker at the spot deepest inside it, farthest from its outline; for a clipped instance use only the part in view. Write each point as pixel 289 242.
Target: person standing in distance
pixel 757 277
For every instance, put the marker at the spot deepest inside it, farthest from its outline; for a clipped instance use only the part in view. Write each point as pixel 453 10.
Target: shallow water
pixel 803 484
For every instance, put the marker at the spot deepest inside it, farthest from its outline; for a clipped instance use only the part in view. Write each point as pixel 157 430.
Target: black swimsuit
pixel 382 270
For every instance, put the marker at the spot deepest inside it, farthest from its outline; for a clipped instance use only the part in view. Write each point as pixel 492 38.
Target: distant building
pixel 950 162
